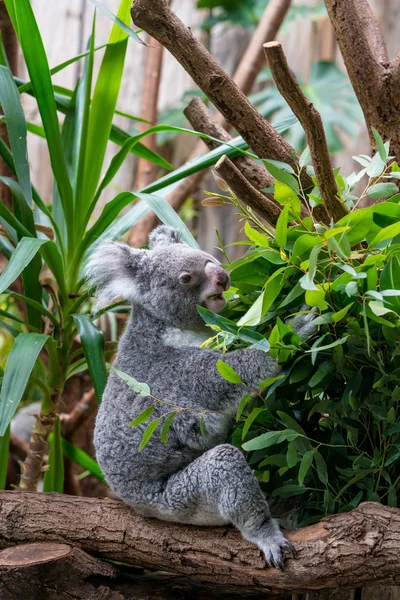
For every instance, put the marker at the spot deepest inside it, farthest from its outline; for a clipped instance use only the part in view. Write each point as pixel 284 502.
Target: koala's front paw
pixel 303 324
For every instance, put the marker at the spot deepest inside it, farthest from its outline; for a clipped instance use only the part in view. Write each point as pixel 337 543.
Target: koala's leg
pixel 217 488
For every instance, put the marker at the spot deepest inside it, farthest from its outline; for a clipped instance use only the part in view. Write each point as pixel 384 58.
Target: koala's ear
pixel 163 236
pixel 111 271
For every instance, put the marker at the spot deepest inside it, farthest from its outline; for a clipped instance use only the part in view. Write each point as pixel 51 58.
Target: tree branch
pixel 245 192
pixel 346 550
pixel 199 117
pixel 364 51
pixel 311 122
pixel 155 17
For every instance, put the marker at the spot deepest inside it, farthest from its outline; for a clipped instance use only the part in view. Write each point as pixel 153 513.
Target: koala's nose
pixel 223 278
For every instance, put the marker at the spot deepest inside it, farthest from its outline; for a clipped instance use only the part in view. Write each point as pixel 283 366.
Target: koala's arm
pixel 252 365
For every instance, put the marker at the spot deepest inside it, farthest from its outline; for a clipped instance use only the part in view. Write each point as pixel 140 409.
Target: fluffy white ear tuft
pixel 110 272
pixel 163 236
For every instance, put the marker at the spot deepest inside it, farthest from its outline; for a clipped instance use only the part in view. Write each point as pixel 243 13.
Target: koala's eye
pixel 185 278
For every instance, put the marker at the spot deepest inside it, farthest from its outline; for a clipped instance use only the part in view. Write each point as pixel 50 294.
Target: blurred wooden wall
pixel 65 27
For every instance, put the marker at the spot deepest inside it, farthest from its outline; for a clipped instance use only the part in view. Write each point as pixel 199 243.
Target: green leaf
pixel 102 107
pixel 243 333
pixel 54 476
pixel 38 69
pixel 391 429
pixel 283 193
pixel 4 452
pixel 270 439
pixel 202 427
pixel 390 280
pixel 250 420
pixel 259 239
pixel 143 416
pixel 338 316
pixel 278 460
pixel 166 427
pixel 282 227
pixel 243 403
pixel 376 166
pixel 92 341
pixel 281 176
pixel 322 469
pixel 305 465
pixel 291 455
pixel 382 190
pixel 380 145
pixel 386 234
pixel 288 490
pixel 16 127
pixel 316 298
pixel 20 362
pixel 228 373
pixel 302 246
pixel 140 388
pixel 23 254
pixel 81 458
pixel 338 342
pixel 120 23
pixel 148 432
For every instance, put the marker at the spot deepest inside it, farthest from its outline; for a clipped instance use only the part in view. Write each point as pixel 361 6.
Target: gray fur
pixel 193 478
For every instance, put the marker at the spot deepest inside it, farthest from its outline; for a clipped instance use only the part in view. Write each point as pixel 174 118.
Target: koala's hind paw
pixel 272 546
pixel 272 549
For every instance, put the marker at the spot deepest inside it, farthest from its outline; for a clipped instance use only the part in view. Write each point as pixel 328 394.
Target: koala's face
pixel 170 280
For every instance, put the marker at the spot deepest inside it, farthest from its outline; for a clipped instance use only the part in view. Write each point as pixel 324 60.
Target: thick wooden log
pixel 356 549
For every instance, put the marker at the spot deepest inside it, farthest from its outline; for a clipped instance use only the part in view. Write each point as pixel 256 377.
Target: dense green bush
pixel 328 428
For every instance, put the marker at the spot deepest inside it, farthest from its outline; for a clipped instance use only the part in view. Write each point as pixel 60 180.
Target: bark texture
pixel 346 551
pixel 375 79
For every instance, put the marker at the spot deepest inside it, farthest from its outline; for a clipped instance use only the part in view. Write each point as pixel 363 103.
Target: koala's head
pixel 169 280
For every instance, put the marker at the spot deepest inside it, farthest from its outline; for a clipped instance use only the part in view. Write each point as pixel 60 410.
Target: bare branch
pixel 155 17
pixel 244 76
pixel 311 122
pixel 199 117
pixel 341 551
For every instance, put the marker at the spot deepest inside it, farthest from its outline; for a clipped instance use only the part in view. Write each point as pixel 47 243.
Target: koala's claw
pixel 272 550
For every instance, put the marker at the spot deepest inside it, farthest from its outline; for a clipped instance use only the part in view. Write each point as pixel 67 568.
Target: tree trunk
pixel 342 551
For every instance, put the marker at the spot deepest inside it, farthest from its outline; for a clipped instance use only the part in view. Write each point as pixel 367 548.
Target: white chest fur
pixel 180 338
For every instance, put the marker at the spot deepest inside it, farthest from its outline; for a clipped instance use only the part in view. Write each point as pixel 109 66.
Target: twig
pixel 245 192
pixel 311 122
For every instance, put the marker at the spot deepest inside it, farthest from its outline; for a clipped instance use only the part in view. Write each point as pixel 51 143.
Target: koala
pixel 196 477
